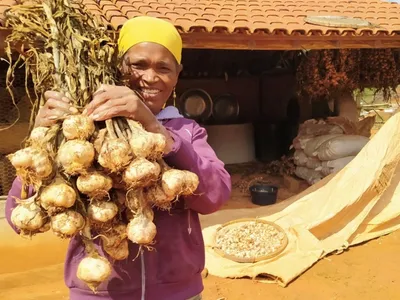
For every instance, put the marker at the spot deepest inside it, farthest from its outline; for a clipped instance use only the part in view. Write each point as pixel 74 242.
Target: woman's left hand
pixel 119 101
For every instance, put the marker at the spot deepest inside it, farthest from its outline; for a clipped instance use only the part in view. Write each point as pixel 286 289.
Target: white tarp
pixel 359 203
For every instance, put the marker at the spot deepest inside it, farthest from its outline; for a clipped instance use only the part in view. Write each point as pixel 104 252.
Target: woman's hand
pixel 56 107
pixel 119 101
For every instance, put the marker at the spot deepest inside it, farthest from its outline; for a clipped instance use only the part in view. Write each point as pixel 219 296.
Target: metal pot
pixel 196 104
pixel 225 109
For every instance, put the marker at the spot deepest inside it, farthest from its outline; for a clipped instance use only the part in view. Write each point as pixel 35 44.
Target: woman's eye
pixel 165 69
pixel 136 66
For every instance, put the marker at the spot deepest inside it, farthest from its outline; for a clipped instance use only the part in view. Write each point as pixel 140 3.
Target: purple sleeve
pixel 215 182
pixel 14 193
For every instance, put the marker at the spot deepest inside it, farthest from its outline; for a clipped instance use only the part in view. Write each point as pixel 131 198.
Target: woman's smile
pixel 150 92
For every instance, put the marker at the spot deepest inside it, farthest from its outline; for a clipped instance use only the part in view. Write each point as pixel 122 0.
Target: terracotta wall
pixel 263 98
pixel 260 96
pixel 3 35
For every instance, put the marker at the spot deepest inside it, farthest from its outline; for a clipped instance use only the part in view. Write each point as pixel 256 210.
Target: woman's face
pixel 153 71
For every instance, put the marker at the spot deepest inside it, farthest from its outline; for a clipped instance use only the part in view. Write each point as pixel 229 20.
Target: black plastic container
pixel 263 194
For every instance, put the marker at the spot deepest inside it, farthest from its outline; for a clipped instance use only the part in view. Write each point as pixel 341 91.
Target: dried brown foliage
pixel 62 48
pixel 324 73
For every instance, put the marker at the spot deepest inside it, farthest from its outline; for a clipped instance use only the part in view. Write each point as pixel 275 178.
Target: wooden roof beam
pixel 199 40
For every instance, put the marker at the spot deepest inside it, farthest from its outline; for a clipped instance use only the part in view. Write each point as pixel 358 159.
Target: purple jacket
pixel 173 269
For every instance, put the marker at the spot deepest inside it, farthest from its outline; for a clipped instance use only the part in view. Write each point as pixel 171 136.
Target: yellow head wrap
pixel 149 29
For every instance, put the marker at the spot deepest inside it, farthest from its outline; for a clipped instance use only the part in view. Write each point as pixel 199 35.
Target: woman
pixel 152 55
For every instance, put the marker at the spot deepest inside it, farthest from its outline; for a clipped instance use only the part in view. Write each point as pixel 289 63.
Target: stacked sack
pixel 324 147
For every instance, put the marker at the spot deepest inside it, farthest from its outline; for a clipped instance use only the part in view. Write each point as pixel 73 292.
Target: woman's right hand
pixel 57 106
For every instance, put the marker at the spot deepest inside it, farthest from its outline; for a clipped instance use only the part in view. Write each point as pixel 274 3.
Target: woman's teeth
pixel 150 92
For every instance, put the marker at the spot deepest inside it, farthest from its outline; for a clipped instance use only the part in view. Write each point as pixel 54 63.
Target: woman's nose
pixel 150 76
